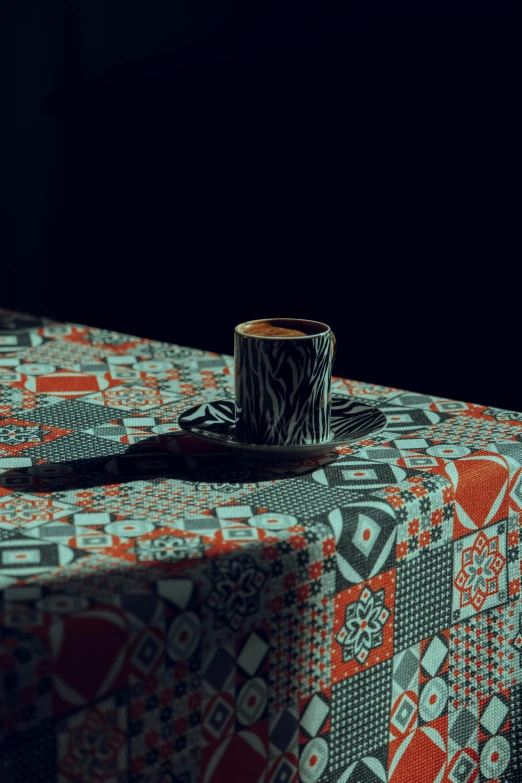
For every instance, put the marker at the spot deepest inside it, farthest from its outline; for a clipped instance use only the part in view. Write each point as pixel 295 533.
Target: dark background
pixel 172 169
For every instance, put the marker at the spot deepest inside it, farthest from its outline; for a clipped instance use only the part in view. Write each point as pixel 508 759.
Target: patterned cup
pixel 283 381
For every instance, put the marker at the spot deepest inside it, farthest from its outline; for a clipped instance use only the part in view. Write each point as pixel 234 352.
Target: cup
pixel 283 381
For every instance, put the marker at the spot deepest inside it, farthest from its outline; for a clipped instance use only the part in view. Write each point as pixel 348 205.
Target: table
pixel 174 613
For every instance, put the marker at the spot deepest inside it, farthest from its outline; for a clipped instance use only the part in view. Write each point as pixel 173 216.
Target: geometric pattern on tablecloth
pixel 75 447
pixel 314 716
pixel 501 414
pixel 219 713
pixel 433 700
pixel 514 554
pixel 20 435
pixel 26 511
pixel 78 678
pixel 434 656
pixel 476 509
pixel 419 687
pixel 300 576
pixel 16 343
pixel 242 751
pixel 425 521
pixel 313 759
pixel 92 742
pixel 25 684
pixel 481 660
pixel 156 500
pixel 495 756
pixel 415 400
pixel 235 591
pixel 283 731
pixel 515 733
pixel 73 414
pixel 167 500
pixel 422 752
pixel 353 474
pixel 303 497
pixel 511 450
pixel 360 716
pixel 373 394
pixel 165 715
pixel 370 769
pixel 23 556
pixel 299 658
pixel 286 767
pixel 305 557
pixel 16 402
pixel 365 540
pixel 405 692
pixel 462 741
pixel 477 433
pixel 105 498
pixel 494 715
pixel 180 768
pixel 233 522
pixel 60 351
pixel 47 379
pixel 36 766
pixel 480 574
pixel 98 576
pixel 402 421
pixel 218 671
pixel 411 468
pixel 497 744
pixel 381 453
pixel 425 578
pixel 516 639
pixel 130 399
pixel 515 491
pixel 145 613
pixel 251 696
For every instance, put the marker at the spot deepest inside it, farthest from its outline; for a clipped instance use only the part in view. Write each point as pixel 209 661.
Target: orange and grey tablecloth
pixel 174 613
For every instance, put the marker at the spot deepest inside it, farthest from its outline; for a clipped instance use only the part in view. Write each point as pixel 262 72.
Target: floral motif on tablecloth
pixel 235 590
pixel 362 629
pixel 481 565
pixel 168 548
pixel 93 748
pixel 16 434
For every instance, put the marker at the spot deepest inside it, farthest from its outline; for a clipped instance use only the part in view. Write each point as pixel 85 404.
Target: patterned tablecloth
pixel 174 613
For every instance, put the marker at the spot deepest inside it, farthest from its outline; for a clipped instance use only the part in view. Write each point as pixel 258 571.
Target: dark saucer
pixel 352 421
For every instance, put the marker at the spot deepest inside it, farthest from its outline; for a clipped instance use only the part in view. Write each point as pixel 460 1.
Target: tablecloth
pixel 174 613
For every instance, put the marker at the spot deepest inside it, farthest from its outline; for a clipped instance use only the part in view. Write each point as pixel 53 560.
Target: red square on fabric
pixel 49 384
pixel 363 625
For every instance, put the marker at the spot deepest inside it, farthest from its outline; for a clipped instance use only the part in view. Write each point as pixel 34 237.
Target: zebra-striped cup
pixel 283 383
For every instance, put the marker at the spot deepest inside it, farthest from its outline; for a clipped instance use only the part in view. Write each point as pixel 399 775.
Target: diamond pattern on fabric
pixel 300 661
pixel 304 499
pixel 426 578
pixel 477 433
pixel 360 707
pixel 481 660
pixel 73 414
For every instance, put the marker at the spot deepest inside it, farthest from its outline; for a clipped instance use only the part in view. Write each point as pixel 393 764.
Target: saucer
pixel 216 421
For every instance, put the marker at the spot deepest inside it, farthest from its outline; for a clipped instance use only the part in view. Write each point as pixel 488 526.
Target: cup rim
pixel 326 329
